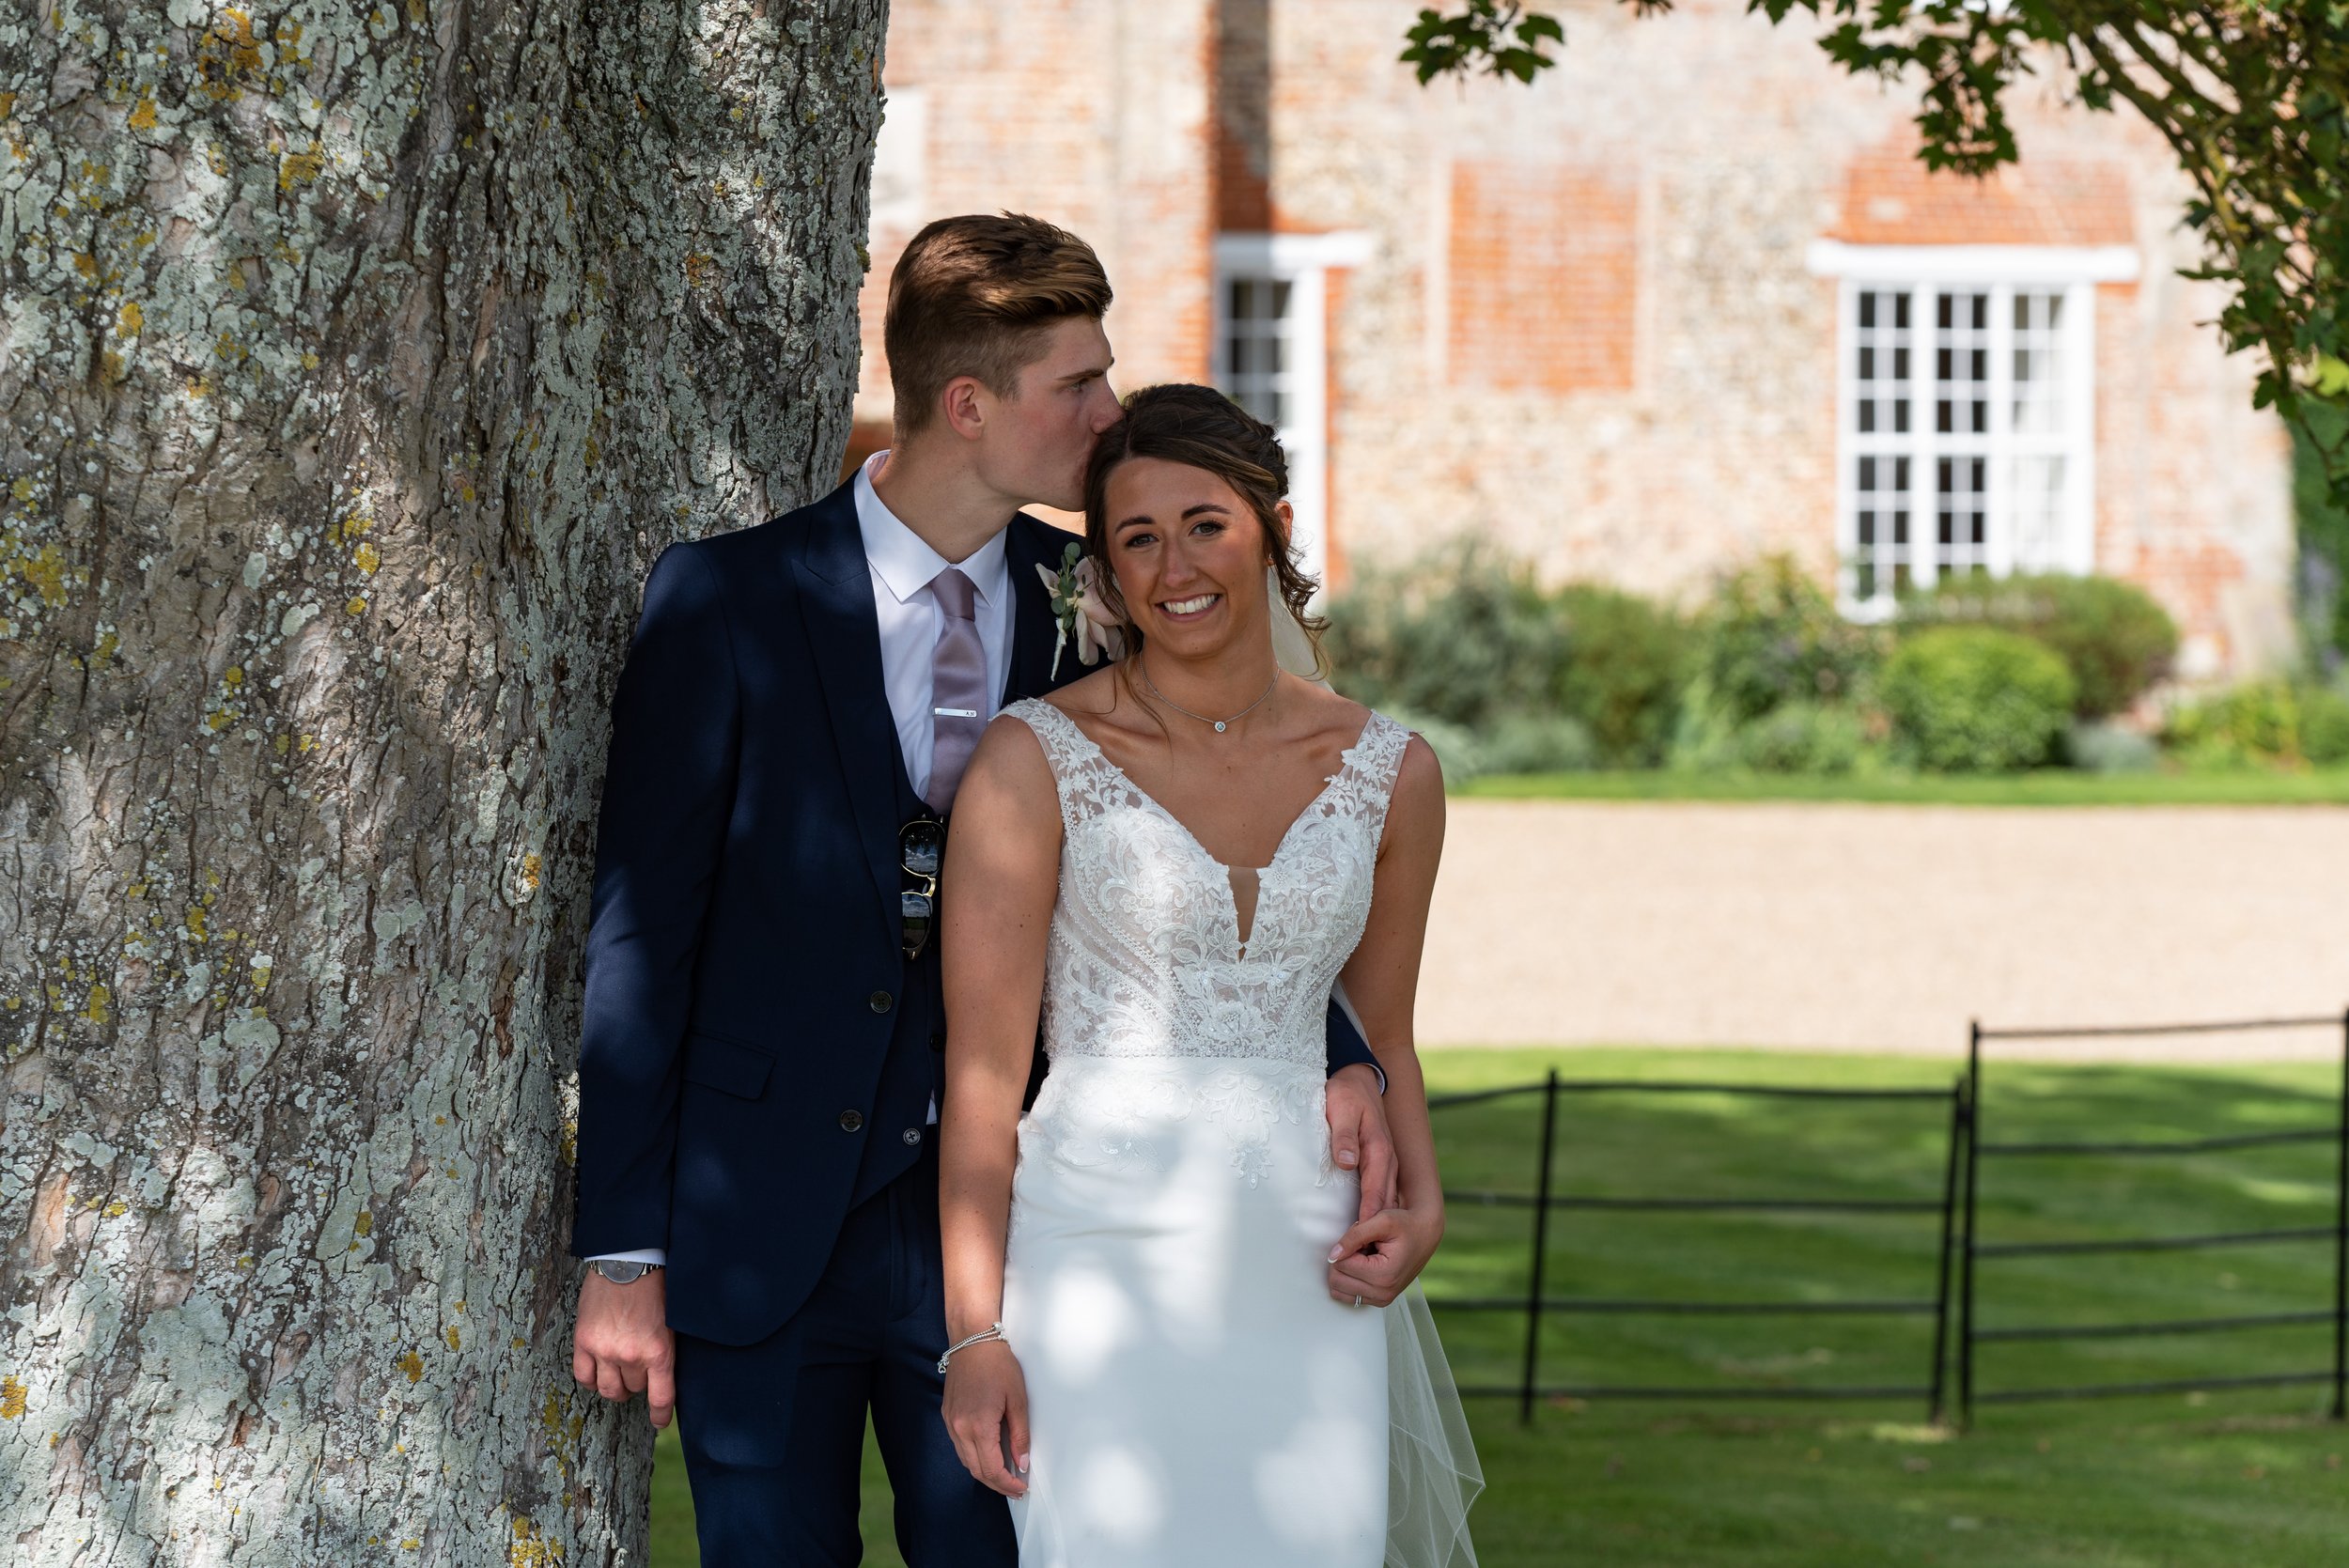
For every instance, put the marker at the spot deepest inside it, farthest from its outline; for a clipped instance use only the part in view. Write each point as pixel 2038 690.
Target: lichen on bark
pixel 356 361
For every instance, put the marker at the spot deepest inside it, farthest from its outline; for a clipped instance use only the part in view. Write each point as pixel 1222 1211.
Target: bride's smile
pixel 1188 554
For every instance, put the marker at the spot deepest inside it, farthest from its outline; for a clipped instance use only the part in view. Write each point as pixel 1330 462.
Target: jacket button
pixel 912 1136
pixel 881 1001
pixel 851 1120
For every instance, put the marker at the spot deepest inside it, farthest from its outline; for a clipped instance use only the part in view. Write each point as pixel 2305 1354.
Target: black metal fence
pixel 1959 1243
pixel 1974 1251
pixel 1536 1304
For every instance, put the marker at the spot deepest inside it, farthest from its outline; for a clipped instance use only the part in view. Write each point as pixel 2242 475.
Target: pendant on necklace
pixel 1218 729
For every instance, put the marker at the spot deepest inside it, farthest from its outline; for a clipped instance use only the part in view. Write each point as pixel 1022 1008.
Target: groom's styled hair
pixel 977 296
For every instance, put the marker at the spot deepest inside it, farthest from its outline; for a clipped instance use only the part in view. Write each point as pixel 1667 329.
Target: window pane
pixel 1961 361
pixel 2038 385
pixel 2038 511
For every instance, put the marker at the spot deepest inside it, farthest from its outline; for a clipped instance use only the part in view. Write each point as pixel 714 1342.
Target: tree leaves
pixel 1440 44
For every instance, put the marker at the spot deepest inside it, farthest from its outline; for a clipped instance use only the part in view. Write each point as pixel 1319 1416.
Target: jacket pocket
pixel 726 1065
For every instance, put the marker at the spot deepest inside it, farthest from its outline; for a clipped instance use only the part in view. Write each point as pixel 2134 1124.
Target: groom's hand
pixel 1357 1135
pixel 623 1347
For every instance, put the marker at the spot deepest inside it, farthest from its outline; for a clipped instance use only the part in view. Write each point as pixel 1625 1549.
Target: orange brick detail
pixel 1544 276
pixel 1891 198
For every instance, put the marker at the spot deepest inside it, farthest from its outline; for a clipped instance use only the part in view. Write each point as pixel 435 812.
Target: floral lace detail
pixel 1144 954
pixel 1145 958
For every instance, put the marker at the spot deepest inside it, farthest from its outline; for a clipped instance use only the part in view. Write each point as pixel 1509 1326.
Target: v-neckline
pixel 1231 896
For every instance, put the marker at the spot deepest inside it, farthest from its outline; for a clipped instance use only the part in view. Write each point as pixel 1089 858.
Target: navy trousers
pixel 774 1432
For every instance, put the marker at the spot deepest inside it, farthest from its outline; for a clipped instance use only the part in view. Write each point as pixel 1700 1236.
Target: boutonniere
pixel 1081 610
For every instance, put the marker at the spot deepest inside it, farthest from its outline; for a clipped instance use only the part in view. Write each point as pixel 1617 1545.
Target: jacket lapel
pixel 1027 544
pixel 844 644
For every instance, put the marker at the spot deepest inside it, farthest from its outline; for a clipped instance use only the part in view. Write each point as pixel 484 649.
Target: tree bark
pixel 355 362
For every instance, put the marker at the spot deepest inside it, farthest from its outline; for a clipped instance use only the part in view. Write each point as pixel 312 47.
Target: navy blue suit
pixel 757 1055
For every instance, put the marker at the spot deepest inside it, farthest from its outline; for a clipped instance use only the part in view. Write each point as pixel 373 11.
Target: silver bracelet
pixel 992 1332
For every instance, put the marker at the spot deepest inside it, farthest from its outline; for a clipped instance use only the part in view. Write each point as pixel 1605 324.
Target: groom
pixel 760 1059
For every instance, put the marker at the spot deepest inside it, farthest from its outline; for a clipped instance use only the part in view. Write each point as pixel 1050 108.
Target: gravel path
pixel 1885 927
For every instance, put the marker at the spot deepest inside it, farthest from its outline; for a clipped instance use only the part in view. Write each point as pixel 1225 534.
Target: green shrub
pixel 2106 747
pixel 1804 738
pixel 1461 637
pixel 2272 722
pixel 1770 635
pixel 1465 637
pixel 1625 660
pixel 1527 745
pixel 2325 725
pixel 2111 635
pixel 1457 750
pixel 1975 699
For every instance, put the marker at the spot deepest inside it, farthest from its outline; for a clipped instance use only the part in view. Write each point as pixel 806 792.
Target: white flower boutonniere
pixel 1081 610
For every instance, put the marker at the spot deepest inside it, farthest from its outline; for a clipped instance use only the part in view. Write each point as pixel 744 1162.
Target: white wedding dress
pixel 1196 1399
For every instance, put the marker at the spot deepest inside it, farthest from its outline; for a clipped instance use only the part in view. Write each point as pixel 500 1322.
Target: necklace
pixel 1187 713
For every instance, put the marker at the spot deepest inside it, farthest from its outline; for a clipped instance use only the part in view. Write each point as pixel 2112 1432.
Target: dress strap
pixel 1373 764
pixel 1074 759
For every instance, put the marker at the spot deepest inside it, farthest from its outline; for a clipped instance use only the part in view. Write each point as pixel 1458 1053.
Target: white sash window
pixel 1270 356
pixel 1966 413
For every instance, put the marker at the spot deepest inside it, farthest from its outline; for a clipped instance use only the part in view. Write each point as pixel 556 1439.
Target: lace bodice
pixel 1146 957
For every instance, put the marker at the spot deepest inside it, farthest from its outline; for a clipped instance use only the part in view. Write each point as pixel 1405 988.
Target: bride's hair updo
pixel 1199 427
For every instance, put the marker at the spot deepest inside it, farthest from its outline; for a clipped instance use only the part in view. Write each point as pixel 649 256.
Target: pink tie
pixel 957 688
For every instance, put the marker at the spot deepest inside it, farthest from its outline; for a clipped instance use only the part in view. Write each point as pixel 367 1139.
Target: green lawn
pixel 2047 787
pixel 2227 1480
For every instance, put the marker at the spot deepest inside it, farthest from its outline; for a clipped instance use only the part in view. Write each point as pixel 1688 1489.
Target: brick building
pixel 1688 297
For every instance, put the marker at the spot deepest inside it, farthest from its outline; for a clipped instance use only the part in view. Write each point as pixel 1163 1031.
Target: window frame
pixel 1922 272
pixel 1303 261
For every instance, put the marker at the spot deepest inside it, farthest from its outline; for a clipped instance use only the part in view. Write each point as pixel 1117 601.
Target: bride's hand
pixel 986 1415
pixel 1381 1255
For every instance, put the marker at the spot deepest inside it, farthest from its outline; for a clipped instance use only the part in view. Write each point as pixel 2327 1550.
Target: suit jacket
pixel 745 985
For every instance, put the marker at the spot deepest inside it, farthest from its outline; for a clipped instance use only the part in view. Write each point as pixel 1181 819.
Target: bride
pixel 1174 1344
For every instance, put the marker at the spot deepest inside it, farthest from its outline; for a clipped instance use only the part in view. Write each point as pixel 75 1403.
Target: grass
pixel 2224 1481
pixel 2047 786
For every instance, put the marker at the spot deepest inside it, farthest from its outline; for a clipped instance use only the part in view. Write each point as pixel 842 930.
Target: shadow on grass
pixel 2179 1481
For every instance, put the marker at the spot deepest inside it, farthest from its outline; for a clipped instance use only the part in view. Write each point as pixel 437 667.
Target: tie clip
pixel 956 713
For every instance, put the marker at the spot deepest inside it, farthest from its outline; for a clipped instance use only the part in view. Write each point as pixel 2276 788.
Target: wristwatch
pixel 621 1273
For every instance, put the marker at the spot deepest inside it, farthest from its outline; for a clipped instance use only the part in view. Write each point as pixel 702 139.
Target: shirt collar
pixel 904 561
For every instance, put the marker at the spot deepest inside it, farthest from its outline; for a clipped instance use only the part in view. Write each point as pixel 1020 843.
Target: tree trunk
pixel 355 362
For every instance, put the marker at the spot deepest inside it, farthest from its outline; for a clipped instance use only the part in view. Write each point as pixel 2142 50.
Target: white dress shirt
pixel 903 564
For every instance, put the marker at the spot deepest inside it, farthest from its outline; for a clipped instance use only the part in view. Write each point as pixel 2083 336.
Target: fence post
pixel 2340 1244
pixel 1934 1400
pixel 1541 1248
pixel 1965 1273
